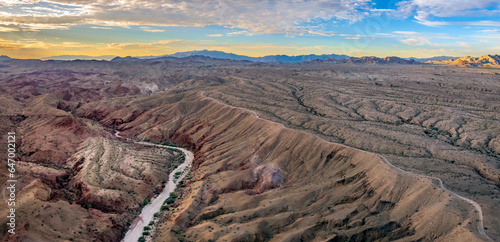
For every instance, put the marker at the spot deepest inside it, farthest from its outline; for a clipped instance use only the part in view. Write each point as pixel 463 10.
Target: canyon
pixel 322 150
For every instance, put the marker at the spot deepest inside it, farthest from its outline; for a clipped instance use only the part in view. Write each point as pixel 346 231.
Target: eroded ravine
pixel 147 214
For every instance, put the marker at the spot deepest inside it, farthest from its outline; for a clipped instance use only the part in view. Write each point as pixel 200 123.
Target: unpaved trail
pixel 480 226
pixel 147 213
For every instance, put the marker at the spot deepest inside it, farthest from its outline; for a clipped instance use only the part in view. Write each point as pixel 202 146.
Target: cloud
pixel 415 41
pixel 100 27
pixel 463 44
pixel 215 35
pixel 149 29
pixel 260 16
pixel 8 29
pixel 243 32
pixel 413 38
pixel 435 12
pixel 320 33
pixel 16 2
pixel 483 23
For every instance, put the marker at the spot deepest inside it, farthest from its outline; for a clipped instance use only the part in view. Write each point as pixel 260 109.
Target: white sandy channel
pixel 147 213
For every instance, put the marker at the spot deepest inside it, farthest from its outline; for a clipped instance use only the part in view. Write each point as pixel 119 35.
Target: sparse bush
pixel 177 175
pixel 170 200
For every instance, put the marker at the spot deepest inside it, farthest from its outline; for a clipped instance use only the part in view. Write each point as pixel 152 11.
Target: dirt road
pixel 480 226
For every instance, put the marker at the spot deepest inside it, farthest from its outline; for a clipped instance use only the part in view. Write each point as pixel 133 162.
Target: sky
pixel 404 28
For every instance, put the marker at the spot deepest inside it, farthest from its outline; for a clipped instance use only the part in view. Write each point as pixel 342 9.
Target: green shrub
pixel 170 200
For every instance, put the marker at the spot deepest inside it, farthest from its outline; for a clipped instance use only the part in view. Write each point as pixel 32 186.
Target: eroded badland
pixel 282 152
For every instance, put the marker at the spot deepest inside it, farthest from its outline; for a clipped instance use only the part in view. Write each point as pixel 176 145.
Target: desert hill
pixel 440 121
pixel 257 180
pixel 483 61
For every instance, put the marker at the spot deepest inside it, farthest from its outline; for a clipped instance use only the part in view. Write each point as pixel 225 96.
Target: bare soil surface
pixel 293 178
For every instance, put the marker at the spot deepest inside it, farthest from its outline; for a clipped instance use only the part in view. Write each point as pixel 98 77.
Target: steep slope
pixel 257 180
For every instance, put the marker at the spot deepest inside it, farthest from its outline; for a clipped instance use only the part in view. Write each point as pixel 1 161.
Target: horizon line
pixel 215 50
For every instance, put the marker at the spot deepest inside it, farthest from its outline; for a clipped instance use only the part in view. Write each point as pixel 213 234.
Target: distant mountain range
pixel 390 60
pixel 435 58
pixel 79 57
pixel 231 56
pixel 483 61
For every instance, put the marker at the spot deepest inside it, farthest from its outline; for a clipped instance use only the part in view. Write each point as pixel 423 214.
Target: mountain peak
pixel 4 57
pixel 483 61
pixel 269 58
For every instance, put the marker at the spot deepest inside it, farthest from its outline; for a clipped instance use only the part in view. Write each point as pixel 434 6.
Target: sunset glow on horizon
pixel 405 28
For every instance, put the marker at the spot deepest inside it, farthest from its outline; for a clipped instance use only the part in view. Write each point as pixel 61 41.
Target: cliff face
pixel 257 180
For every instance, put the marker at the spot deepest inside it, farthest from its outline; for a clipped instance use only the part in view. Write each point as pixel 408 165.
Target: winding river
pixel 147 213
